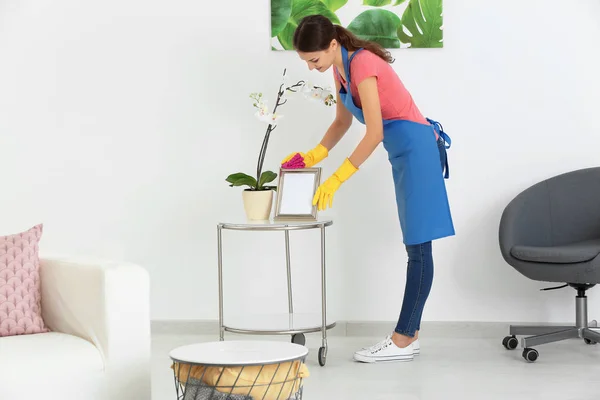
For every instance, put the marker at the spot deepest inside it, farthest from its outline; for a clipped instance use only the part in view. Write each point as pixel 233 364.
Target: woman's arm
pixel 341 124
pixel 369 97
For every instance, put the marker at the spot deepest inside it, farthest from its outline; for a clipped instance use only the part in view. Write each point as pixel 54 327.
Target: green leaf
pixel 280 14
pixel 334 5
pixel 240 179
pixel 301 9
pixel 376 3
pixel 423 19
pixel 378 25
pixel 381 3
pixel 234 177
pixel 266 177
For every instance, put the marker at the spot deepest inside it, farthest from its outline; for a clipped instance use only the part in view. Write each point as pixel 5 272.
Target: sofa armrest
pixel 107 304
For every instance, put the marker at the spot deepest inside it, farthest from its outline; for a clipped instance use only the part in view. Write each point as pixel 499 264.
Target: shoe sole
pixel 415 352
pixel 371 360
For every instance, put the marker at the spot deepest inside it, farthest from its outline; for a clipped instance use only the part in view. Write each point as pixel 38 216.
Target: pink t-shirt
pixel 396 102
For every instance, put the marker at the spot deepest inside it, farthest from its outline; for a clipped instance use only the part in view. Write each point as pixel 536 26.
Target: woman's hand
pixel 324 195
pixel 313 157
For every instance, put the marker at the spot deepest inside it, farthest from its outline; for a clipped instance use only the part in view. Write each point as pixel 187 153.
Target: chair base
pixel 539 335
pixel 550 334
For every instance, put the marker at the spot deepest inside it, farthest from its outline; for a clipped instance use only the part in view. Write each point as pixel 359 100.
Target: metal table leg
pixel 289 271
pixel 220 261
pixel 297 338
pixel 323 349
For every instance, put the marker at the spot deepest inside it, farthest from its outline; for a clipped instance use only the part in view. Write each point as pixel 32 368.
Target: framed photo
pixel 295 193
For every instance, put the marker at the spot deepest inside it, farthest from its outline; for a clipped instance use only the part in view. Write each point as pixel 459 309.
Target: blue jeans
pixel 419 277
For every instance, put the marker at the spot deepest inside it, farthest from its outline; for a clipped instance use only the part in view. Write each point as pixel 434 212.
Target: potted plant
pixel 258 196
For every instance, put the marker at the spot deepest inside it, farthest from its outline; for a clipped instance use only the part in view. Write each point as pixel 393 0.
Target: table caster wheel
pixel 322 356
pixel 510 342
pixel 530 354
pixel 299 338
pixel 588 341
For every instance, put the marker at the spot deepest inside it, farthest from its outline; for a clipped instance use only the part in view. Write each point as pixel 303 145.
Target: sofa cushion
pixel 50 365
pixel 565 254
pixel 20 291
pixel 50 353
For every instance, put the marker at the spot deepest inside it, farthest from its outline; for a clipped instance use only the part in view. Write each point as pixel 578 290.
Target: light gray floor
pixel 474 368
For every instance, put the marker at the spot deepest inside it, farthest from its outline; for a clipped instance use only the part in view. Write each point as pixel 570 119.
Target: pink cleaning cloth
pixel 295 162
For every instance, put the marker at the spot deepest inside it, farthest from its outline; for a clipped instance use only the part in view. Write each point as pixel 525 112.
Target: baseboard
pixel 351 328
pixel 445 329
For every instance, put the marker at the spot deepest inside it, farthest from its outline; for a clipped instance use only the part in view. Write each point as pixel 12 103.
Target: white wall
pixel 119 121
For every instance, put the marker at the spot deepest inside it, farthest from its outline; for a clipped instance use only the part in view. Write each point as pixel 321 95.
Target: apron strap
pixel 346 63
pixel 447 142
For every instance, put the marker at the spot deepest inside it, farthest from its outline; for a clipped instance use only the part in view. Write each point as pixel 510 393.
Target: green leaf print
pixel 378 25
pixel 423 19
pixel 376 3
pixel 334 5
pixel 280 13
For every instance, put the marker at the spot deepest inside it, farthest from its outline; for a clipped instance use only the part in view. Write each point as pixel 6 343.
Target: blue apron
pixel 421 196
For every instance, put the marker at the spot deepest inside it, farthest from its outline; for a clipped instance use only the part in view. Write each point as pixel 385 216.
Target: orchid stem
pixel 271 128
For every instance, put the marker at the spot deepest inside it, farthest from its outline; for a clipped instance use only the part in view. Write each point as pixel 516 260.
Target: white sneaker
pixel 416 347
pixel 383 351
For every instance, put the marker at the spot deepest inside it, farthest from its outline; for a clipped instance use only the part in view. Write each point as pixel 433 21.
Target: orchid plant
pixel 261 180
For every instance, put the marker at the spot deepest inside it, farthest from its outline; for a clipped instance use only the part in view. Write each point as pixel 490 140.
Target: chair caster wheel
pixel 299 338
pixel 322 356
pixel 510 342
pixel 588 341
pixel 530 354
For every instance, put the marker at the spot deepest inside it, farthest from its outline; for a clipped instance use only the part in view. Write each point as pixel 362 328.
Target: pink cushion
pixel 20 291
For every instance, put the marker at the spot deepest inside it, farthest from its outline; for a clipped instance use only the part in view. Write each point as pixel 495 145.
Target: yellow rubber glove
pixel 324 194
pixel 311 158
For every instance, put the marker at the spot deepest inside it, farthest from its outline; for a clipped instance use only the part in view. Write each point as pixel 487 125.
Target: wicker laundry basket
pixel 240 370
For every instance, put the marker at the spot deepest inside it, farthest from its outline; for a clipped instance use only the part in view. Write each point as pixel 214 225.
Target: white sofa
pixel 99 347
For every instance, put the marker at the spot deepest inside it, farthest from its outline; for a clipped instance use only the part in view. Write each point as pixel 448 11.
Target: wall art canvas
pixel 394 24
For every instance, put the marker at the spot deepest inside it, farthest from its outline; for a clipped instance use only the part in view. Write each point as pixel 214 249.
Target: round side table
pixel 239 370
pixel 292 323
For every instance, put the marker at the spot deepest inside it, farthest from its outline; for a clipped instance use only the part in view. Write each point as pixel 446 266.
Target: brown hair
pixel 315 33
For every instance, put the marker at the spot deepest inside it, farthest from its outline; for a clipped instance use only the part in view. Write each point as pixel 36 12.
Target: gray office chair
pixel 551 232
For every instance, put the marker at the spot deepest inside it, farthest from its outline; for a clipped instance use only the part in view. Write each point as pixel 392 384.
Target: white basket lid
pixel 234 353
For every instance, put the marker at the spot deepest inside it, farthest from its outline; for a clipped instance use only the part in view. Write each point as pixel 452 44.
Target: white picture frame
pixel 295 192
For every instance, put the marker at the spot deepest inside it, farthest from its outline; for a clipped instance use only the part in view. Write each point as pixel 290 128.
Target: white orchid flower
pixel 262 108
pixel 269 118
pixel 306 89
pixel 316 93
pixel 319 94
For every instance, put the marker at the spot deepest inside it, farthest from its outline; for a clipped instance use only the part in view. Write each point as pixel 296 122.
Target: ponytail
pixel 352 43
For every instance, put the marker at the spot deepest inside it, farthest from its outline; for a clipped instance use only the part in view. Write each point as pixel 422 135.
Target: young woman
pixel 369 89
